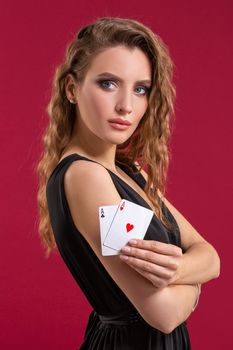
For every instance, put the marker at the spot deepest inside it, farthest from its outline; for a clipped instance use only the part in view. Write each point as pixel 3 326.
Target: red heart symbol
pixel 129 227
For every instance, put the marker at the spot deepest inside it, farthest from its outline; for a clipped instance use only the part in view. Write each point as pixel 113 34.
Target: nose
pixel 124 104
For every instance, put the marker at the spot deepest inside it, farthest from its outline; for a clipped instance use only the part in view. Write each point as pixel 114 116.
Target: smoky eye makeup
pixel 103 82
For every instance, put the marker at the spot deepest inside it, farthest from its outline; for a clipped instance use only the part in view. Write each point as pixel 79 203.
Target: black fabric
pixel 104 295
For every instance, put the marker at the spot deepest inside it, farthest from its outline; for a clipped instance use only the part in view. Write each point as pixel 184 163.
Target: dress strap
pixel 138 177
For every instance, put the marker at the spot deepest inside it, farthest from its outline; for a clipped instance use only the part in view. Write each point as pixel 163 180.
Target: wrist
pixel 179 272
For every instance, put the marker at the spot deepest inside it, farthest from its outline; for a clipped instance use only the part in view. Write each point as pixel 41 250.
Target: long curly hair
pixel 148 146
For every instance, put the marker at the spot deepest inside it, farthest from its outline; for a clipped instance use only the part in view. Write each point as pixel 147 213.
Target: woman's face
pixel 122 93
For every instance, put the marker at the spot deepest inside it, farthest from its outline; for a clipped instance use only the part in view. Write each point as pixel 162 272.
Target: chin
pixel 117 140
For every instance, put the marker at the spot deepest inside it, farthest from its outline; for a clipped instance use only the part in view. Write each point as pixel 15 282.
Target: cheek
pixel 96 104
pixel 140 109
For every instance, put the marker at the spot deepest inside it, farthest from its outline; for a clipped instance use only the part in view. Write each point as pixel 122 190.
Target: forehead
pixel 122 61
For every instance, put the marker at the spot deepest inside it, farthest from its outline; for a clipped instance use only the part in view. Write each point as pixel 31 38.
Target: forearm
pixel 182 299
pixel 200 263
pixel 174 305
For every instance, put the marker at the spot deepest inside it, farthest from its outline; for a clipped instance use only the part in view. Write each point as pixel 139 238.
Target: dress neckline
pixel 148 206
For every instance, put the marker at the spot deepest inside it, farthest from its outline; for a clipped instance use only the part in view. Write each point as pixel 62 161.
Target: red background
pixel 41 307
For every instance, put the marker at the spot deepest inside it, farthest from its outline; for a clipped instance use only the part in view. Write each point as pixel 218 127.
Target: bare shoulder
pixel 87 186
pixel 189 234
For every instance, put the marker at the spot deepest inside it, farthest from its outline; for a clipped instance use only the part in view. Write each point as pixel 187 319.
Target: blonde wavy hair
pixel 148 145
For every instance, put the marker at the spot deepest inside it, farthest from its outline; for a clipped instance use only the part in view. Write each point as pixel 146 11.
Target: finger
pixel 158 247
pixel 156 281
pixel 146 266
pixel 166 261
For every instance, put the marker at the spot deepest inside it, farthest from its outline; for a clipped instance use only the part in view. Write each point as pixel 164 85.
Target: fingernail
pixel 133 242
pixel 125 249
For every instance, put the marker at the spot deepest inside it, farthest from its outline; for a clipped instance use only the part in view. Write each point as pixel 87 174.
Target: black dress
pixel 114 323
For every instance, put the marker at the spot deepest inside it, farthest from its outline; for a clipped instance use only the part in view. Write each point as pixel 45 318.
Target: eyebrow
pixel 108 74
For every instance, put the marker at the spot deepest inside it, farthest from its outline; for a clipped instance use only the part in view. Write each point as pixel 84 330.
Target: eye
pixel 105 83
pixel 146 89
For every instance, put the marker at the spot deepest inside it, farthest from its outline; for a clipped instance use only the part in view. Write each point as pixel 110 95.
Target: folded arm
pixel 87 187
pixel 176 304
pixel 200 261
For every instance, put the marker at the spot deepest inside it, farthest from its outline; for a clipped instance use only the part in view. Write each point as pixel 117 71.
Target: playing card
pixel 130 221
pixel 106 215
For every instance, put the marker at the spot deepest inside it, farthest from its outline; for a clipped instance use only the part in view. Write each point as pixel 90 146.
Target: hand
pixel 159 262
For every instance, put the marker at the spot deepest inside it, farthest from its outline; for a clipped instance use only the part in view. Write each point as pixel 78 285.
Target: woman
pixel 117 71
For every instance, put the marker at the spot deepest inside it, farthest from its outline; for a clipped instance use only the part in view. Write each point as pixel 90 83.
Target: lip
pixel 119 126
pixel 119 121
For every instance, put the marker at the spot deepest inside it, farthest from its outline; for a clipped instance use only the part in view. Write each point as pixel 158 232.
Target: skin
pixel 162 264
pixel 93 135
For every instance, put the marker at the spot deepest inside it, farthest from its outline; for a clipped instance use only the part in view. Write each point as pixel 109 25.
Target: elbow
pixel 170 326
pixel 171 319
pixel 168 330
pixel 167 315
pixel 217 266
pixel 217 273
pixel 163 326
pixel 166 327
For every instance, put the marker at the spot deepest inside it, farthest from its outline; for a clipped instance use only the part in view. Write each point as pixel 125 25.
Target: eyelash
pixel 100 82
